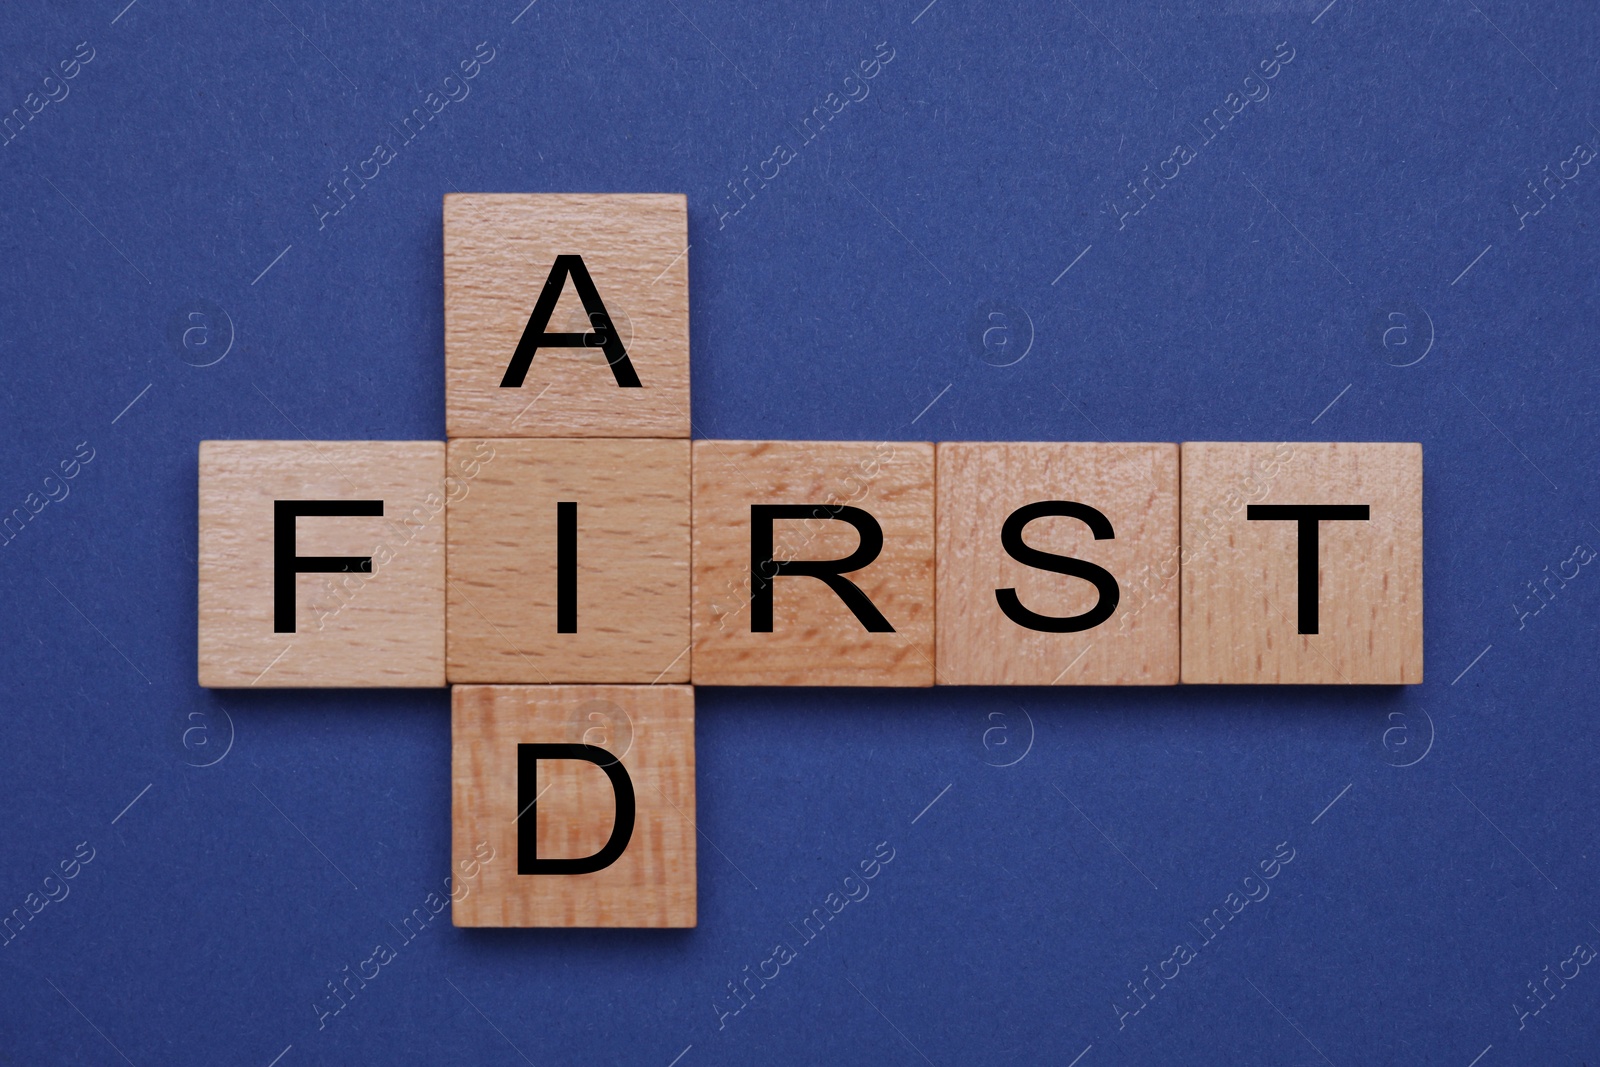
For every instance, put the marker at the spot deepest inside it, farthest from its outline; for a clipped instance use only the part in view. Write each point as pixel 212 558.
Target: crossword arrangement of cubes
pixel 570 561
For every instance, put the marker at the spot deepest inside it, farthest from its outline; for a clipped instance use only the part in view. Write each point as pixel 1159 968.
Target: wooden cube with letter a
pixel 574 804
pixel 322 563
pixel 813 563
pixel 569 561
pixel 566 315
pixel 1058 564
pixel 1302 563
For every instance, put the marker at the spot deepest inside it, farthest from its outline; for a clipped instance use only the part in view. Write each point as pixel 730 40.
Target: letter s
pixel 1011 540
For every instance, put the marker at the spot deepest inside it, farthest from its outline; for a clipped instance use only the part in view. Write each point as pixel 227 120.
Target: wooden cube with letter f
pixel 582 799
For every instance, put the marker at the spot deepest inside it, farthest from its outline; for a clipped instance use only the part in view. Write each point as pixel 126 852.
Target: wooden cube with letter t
pixel 574 805
pixel 322 563
pixel 566 315
pixel 1302 563
pixel 813 563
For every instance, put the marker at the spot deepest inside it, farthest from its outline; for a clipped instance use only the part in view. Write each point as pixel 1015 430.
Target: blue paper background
pixel 851 298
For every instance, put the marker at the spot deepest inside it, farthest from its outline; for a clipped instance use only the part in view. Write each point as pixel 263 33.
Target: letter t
pixel 1308 516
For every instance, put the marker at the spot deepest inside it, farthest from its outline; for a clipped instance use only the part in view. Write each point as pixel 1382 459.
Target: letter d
pixel 528 757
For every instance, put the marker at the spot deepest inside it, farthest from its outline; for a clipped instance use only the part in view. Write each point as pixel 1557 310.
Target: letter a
pixel 535 337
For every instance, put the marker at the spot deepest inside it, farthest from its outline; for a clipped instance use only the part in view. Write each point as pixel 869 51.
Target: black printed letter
pixel 1308 515
pixel 285 564
pixel 763 568
pixel 528 757
pixel 604 336
pixel 1011 541
pixel 567 567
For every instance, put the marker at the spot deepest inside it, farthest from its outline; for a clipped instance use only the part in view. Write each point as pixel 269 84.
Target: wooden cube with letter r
pixel 813 563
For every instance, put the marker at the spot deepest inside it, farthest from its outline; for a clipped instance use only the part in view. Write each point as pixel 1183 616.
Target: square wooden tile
pixel 570 808
pixel 815 637
pixel 985 487
pixel 1246 598
pixel 624 617
pixel 377 623
pixel 500 253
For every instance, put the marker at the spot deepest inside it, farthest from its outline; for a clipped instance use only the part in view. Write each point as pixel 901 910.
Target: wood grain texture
pixel 650 729
pixel 815 639
pixel 1135 486
pixel 385 628
pixel 632 501
pixel 1240 599
pixel 498 252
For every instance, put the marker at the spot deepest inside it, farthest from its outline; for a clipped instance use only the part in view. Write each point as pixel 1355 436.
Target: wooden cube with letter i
pixel 569 561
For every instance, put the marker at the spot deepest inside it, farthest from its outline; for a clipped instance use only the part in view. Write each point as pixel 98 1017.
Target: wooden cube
pixel 569 562
pixel 1101 608
pixel 1302 563
pixel 566 315
pixel 813 563
pixel 322 563
pixel 573 805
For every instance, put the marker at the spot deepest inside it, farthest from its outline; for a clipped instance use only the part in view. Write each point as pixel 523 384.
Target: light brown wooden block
pixel 499 251
pixel 1135 486
pixel 382 628
pixel 1241 596
pixel 649 729
pixel 815 639
pixel 632 554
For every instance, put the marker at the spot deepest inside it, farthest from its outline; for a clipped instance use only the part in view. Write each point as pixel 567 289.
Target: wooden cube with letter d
pixel 574 805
